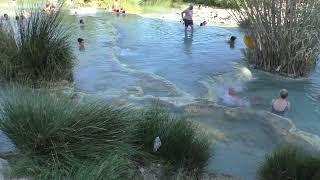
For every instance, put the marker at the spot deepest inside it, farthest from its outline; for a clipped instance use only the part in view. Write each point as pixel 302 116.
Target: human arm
pixel 183 12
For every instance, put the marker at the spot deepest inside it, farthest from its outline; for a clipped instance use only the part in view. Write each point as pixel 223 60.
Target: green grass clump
pixel 56 133
pixel 289 163
pixel 37 48
pixel 58 138
pixel 183 144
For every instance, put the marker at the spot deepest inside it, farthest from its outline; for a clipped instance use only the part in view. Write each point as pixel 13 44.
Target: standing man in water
pixel 187 17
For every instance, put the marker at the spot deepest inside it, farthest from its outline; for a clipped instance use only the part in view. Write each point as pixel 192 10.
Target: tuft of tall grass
pixel 58 132
pixel 183 144
pixel 290 163
pixel 58 138
pixel 113 166
pixel 36 48
pixel 286 35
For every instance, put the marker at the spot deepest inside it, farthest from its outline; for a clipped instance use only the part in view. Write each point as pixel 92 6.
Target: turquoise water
pixel 136 58
pixel 140 58
pixel 159 58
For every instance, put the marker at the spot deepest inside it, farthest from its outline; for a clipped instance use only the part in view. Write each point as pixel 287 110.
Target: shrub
pixel 56 133
pixel 183 144
pixel 36 48
pixel 286 34
pixel 58 138
pixel 113 166
pixel 290 163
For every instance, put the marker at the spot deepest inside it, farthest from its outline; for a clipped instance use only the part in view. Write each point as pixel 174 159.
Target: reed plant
pixel 36 48
pixel 290 163
pixel 286 34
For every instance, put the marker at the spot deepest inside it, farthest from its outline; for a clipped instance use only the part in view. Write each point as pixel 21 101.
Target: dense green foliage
pixel 58 137
pixel 36 48
pixel 57 133
pixel 182 145
pixel 285 33
pixel 289 163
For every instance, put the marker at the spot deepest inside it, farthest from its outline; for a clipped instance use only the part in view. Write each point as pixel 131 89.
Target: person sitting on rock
pixel 281 105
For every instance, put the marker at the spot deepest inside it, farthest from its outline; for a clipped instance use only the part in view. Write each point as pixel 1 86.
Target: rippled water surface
pixel 155 57
pixel 132 56
pixel 142 57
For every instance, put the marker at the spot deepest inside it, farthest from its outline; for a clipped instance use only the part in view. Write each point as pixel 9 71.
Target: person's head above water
pixel 284 94
pixel 203 23
pixel 231 92
pixel 17 18
pixel 81 41
pixel 81 21
pixel 233 38
pixel 6 17
pixel 190 6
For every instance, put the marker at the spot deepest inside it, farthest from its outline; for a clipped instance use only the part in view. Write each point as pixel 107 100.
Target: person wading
pixel 187 17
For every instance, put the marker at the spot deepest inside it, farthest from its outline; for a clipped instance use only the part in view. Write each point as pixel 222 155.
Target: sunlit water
pixel 131 56
pixel 161 59
pixel 145 57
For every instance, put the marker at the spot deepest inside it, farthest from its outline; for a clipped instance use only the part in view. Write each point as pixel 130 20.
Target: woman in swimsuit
pixel 281 105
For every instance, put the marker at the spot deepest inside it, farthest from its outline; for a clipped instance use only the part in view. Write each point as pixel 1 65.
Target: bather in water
pixel 281 105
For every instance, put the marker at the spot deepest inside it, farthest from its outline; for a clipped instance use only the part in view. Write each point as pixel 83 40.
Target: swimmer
pixel 6 17
pixel 281 105
pixel 231 41
pixel 81 44
pixel 231 99
pixel 232 92
pixel 17 18
pixel 81 23
pixel 203 23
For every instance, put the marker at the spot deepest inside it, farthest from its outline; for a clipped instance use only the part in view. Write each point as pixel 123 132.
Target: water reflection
pixel 188 39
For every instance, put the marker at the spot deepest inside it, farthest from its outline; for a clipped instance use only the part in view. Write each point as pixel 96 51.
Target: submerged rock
pixel 280 129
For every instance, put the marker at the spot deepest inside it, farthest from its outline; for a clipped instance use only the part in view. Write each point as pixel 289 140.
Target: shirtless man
pixel 187 17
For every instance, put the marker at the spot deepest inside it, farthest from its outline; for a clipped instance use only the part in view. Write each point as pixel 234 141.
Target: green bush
pixel 58 138
pixel 113 166
pixel 57 132
pixel 37 48
pixel 183 144
pixel 290 163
